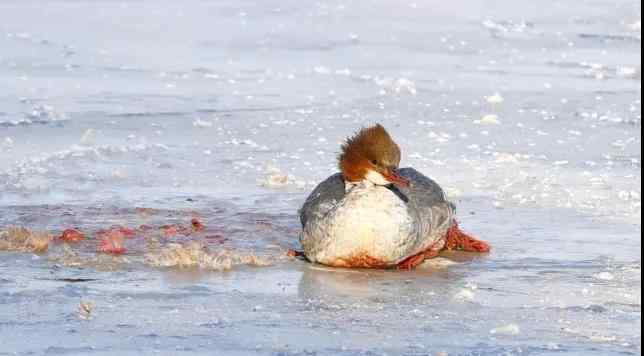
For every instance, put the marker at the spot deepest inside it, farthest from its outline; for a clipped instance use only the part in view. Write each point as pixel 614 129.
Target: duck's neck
pixel 364 184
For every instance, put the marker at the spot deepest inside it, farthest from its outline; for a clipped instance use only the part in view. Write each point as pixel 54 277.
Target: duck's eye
pixel 374 162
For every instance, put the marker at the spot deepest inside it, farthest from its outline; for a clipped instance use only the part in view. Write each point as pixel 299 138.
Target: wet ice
pixel 234 110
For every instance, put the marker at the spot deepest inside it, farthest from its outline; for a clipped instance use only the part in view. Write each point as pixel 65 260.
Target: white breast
pixel 370 227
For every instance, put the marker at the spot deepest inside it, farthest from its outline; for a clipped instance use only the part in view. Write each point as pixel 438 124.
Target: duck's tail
pixel 458 240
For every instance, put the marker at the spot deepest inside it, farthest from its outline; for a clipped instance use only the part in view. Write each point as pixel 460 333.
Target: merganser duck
pixel 375 215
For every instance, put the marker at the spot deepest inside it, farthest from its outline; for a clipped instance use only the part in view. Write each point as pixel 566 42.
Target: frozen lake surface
pixel 151 113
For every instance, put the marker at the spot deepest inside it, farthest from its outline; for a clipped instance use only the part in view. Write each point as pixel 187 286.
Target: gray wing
pixel 428 199
pixel 323 197
pixel 424 192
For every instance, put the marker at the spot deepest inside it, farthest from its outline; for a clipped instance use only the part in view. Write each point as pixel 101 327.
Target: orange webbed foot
pixel 458 240
pixel 414 261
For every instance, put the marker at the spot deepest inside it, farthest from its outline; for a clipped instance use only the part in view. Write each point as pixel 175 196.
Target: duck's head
pixel 372 155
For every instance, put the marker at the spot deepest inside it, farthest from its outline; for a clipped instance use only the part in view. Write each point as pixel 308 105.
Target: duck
pixel 375 215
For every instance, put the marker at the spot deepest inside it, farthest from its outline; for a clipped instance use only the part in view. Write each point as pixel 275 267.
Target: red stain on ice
pixel 129 233
pixel 180 229
pixel 126 232
pixel 72 236
pixel 170 230
pixel 197 225
pixel 112 242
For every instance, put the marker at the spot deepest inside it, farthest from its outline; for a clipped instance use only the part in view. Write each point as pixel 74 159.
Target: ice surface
pixel 152 113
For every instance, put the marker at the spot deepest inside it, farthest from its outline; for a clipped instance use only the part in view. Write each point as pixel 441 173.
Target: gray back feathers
pixel 424 197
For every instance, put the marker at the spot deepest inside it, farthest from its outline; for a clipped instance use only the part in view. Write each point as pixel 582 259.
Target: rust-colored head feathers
pixel 371 155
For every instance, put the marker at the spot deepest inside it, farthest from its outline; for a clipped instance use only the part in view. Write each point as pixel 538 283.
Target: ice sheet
pixel 528 112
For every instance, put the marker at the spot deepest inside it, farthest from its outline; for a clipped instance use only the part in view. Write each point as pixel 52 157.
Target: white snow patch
pixel 7 143
pixel 453 192
pixel 46 112
pixel 398 86
pixel 202 123
pixel 467 294
pixel 88 138
pixel 605 276
pixel 629 72
pixel 276 179
pixel 322 70
pixel 489 120
pixel 507 330
pixel 344 72
pixel 495 99
pixel 506 158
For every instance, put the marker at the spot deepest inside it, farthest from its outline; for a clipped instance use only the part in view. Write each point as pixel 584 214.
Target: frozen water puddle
pixel 108 239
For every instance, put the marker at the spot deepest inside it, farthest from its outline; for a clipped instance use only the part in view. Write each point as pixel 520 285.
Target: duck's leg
pixel 457 240
pixel 300 255
pixel 417 260
pixel 294 253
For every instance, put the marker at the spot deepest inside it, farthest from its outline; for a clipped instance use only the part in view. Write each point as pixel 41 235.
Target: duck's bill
pixel 397 180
